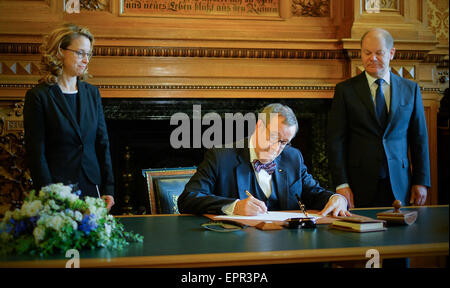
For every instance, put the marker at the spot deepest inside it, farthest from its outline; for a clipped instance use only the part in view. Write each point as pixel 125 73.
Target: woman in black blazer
pixel 65 132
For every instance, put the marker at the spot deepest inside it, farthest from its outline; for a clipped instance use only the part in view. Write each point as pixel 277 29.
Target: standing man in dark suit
pixel 375 117
pixel 65 132
pixel 266 166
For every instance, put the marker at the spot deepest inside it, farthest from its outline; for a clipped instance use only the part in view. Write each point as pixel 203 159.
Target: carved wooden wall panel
pixel 15 178
pixel 301 52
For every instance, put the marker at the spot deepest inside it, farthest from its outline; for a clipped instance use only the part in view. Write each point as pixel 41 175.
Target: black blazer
pixel 57 146
pixel 356 140
pixel 226 173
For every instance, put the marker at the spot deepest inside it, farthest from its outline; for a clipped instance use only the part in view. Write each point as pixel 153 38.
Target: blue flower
pixel 75 189
pixel 34 220
pixel 88 224
pixel 19 227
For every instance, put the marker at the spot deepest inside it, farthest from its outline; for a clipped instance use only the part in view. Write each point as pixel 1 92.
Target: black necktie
pixel 269 167
pixel 380 104
pixel 381 109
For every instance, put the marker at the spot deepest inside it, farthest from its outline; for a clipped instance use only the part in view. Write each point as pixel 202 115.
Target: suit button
pixel 80 147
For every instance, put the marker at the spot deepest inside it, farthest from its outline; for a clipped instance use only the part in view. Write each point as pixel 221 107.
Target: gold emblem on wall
pixel 94 5
pixel 376 6
pixel 202 8
pixel 311 8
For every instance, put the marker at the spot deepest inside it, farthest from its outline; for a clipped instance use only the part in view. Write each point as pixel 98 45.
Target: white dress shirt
pixel 386 87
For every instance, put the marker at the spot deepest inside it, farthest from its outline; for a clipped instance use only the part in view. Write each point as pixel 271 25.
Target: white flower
pixel 31 209
pixel 78 216
pixel 61 191
pixel 90 201
pixel 53 204
pixel 39 234
pixel 55 222
pixel 71 197
pixel 108 230
pixel 74 225
pixel 36 205
pixel 69 213
pixel 60 188
pixel 96 206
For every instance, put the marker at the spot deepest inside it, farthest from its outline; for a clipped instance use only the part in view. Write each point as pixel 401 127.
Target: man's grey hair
pixel 384 33
pixel 282 110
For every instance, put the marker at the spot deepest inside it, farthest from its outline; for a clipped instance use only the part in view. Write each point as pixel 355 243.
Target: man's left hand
pixel 337 205
pixel 109 201
pixel 418 195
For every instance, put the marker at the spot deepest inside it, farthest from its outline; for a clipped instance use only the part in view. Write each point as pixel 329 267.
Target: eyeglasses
pixel 80 53
pixel 223 226
pixel 274 140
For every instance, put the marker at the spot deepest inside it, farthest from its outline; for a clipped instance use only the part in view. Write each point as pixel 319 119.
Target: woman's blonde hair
pixel 52 57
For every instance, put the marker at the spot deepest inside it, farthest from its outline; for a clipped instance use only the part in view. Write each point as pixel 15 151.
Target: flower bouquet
pixel 57 220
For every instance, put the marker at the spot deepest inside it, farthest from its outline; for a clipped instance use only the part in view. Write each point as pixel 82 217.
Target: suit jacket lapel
pixel 82 97
pixel 244 172
pixel 362 89
pixel 280 183
pixel 60 100
pixel 395 98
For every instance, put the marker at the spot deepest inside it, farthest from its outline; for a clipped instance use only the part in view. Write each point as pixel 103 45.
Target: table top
pixel 180 241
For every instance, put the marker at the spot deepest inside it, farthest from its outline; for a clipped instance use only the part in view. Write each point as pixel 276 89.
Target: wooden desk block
pixel 401 218
pixel 398 217
pixel 268 226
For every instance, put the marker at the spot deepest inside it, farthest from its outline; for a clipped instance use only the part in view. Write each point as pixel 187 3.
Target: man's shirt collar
pixel 386 77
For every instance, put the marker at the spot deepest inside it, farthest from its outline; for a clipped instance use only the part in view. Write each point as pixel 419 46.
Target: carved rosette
pixel 377 6
pixel 310 8
pixel 94 5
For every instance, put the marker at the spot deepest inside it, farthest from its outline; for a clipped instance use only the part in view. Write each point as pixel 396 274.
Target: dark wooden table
pixel 180 241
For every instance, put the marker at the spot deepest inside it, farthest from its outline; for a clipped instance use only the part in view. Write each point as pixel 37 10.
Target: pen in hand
pixel 250 195
pixel 301 205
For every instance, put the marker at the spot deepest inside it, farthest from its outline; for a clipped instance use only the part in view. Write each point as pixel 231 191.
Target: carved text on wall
pixel 234 8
